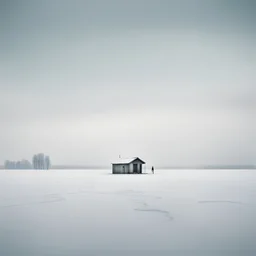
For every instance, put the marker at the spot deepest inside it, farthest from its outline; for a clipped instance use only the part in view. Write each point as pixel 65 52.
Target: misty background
pixel 170 81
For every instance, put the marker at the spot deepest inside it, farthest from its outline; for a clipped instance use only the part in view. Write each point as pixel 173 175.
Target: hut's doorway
pixel 135 168
pixel 140 168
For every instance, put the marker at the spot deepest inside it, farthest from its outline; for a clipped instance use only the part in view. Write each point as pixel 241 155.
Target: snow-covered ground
pixel 92 213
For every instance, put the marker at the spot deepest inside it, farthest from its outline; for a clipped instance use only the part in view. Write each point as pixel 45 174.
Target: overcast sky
pixel 170 81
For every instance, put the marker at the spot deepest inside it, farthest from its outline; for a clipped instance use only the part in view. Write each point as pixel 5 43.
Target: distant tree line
pixel 23 164
pixel 39 161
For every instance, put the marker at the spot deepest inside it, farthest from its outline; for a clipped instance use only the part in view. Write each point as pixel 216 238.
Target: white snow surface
pixel 94 213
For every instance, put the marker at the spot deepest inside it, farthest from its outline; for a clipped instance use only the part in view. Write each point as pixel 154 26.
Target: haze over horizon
pixel 170 81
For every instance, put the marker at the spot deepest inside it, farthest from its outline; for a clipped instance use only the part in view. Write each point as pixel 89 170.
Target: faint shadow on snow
pixel 163 212
pixel 220 201
pixel 49 198
pixel 146 208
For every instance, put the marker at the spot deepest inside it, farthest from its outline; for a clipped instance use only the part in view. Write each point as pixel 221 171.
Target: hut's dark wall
pixel 120 168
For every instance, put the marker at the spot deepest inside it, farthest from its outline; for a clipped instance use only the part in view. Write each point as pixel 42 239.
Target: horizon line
pixel 213 166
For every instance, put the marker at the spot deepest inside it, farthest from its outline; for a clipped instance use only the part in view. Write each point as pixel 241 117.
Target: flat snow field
pixel 94 213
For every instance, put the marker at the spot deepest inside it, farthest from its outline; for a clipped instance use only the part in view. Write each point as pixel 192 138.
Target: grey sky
pixel 172 81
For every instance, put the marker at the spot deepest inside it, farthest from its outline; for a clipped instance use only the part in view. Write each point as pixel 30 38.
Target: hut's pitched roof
pixel 127 160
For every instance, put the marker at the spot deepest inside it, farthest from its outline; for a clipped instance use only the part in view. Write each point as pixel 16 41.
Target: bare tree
pixel 47 162
pixel 35 162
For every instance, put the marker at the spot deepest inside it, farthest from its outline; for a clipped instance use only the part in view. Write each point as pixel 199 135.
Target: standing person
pixel 152 169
